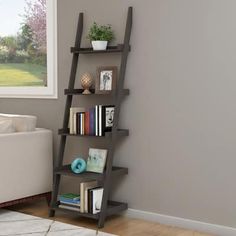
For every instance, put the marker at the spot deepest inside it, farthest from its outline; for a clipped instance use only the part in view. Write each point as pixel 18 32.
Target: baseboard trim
pixel 214 229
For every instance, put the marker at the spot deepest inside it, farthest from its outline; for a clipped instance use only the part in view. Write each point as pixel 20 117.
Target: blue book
pixel 92 121
pixel 69 200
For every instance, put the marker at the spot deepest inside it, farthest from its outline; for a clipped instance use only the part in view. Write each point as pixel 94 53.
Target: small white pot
pixel 99 45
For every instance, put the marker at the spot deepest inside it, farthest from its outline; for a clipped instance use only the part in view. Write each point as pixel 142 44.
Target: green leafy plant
pixel 100 32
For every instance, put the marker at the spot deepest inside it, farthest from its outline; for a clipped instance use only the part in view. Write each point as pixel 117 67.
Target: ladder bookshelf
pixel 108 207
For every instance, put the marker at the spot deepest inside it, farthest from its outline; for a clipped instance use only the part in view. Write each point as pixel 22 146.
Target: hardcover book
pixel 96 200
pixel 69 208
pixel 92 121
pixel 69 204
pixel 96 121
pixel 87 131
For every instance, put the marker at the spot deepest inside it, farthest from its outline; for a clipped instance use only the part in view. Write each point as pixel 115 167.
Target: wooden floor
pixel 116 225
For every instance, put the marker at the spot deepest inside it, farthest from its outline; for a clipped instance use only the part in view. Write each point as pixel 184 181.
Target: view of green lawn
pixel 22 74
pixel 23 43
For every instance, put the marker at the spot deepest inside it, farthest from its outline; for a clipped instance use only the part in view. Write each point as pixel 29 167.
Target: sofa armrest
pixel 26 164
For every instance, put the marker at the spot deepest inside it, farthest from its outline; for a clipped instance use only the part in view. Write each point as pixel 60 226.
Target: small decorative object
pixel 86 82
pixel 96 160
pixel 100 36
pixel 106 79
pixel 78 165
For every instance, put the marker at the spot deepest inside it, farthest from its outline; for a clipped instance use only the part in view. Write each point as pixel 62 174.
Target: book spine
pixel 69 204
pixel 69 200
pixel 69 208
pixel 103 120
pixel 77 123
pixel 90 205
pixel 91 121
pixel 74 123
pixel 87 123
pixel 96 120
pixel 81 124
pixel 82 197
pixel 71 121
pixel 100 120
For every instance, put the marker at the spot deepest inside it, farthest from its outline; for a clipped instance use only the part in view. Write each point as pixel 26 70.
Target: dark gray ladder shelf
pixel 108 207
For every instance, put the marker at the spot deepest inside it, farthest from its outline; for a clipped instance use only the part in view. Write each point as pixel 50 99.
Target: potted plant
pixel 100 36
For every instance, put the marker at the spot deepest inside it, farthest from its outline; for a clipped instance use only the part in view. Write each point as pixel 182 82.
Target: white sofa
pixel 25 165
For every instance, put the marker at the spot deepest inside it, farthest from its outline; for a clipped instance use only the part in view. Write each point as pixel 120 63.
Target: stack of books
pixel 89 200
pixel 94 121
pixel 70 201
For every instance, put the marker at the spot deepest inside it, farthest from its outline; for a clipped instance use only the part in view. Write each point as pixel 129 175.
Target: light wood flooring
pixel 118 225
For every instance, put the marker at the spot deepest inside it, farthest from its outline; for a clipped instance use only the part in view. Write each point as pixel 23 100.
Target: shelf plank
pixel 66 170
pixel 80 92
pixel 87 215
pixel 121 132
pixel 110 49
pixel 116 207
pixel 112 209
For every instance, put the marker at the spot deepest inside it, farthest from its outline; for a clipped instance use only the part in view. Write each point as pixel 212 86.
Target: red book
pixel 86 123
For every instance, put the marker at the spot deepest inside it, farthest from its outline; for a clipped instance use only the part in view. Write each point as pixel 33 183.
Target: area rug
pixel 15 223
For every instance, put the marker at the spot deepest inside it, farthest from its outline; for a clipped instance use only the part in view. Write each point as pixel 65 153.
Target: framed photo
pixel 108 118
pixel 96 160
pixel 106 79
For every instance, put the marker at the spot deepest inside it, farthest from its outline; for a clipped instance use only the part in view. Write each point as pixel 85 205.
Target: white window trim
pixel 51 91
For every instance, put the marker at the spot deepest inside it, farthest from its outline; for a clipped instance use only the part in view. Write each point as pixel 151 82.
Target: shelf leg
pixel 54 195
pixel 51 213
pixel 101 222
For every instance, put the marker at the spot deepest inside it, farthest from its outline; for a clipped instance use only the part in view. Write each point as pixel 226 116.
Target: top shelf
pixel 110 49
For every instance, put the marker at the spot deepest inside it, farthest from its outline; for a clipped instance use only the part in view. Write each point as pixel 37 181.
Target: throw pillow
pixel 6 126
pixel 21 123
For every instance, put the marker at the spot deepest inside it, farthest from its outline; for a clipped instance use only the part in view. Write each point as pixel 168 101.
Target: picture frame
pixel 106 79
pixel 96 160
pixel 108 112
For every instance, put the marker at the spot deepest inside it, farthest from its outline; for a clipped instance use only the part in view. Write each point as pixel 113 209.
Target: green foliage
pixel 10 42
pixel 24 37
pixel 103 32
pixel 20 57
pixel 21 48
pixel 10 56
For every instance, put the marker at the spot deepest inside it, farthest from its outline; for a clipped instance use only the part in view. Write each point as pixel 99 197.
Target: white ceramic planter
pixel 99 45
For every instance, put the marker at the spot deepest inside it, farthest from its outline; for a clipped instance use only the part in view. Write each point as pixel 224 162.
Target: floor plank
pixel 118 225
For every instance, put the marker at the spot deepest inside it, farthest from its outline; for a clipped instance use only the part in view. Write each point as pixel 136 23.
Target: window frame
pixel 51 91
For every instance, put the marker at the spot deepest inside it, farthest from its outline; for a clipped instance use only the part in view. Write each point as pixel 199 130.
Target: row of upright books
pixel 95 121
pixel 88 201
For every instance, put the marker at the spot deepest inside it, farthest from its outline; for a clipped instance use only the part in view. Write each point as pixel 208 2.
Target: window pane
pixel 23 46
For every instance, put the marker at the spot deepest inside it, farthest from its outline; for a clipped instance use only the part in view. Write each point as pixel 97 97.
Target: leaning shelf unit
pixel 108 207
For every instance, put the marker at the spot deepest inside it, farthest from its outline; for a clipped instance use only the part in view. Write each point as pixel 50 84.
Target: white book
pixel 96 120
pixel 81 124
pixel 72 119
pixel 86 196
pixel 82 193
pixel 97 195
pixel 100 120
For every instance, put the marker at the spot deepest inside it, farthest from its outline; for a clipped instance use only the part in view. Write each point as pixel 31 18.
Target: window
pixel 28 48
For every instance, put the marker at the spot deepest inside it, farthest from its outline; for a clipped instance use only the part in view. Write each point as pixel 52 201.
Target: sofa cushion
pixel 21 123
pixel 6 126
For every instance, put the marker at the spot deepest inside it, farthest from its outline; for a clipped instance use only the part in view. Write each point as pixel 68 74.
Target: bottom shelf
pixel 112 209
